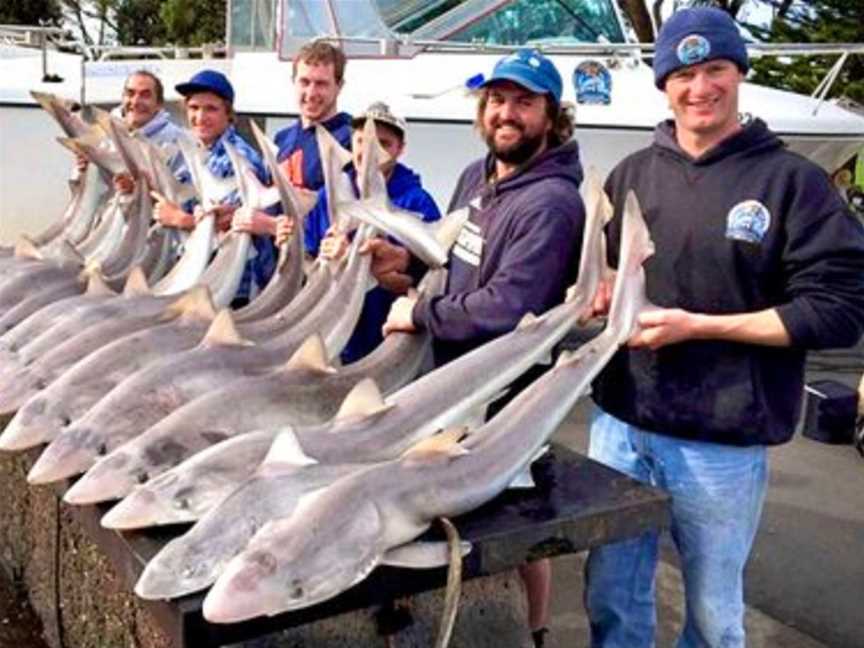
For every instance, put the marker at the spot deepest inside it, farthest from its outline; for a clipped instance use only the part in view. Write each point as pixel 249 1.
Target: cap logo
pixel 693 49
pixel 534 62
pixel 748 221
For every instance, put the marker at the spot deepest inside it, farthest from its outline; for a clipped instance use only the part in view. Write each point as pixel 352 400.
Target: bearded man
pixel 519 250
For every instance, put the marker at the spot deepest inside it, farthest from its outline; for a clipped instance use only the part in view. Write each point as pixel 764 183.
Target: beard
pixel 518 152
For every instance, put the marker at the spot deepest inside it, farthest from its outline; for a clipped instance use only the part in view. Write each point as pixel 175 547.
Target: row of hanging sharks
pixel 299 476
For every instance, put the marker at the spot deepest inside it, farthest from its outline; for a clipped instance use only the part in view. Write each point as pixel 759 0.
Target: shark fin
pixel 311 355
pixel 443 444
pixel 448 228
pixel 96 285
pixel 286 451
pixel 136 284
pixel 525 479
pixel 527 320
pixel 422 555
pixel 67 255
pixel 223 331
pixel 364 399
pixel 25 248
pixel 195 304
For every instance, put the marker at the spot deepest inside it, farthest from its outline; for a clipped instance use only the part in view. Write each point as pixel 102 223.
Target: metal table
pixel 577 504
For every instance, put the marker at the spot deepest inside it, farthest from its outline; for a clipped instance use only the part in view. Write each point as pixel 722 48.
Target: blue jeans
pixel 716 501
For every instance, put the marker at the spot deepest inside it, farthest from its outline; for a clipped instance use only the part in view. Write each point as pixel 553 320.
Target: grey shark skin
pixel 56 350
pixel 287 396
pixel 163 386
pixel 70 396
pixel 337 536
pixel 46 414
pixel 193 561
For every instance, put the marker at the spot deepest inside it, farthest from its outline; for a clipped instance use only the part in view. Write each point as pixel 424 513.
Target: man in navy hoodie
pixel 757 260
pixel 519 250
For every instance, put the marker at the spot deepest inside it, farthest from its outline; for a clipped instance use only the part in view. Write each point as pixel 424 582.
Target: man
pixel 142 110
pixel 209 102
pixel 403 189
pixel 520 248
pixel 318 74
pixel 757 260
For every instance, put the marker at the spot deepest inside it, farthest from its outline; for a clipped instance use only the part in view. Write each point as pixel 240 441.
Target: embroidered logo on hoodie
pixel 748 221
pixel 693 49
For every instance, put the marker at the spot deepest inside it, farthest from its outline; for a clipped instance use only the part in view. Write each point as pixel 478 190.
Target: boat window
pixel 252 24
pixel 557 22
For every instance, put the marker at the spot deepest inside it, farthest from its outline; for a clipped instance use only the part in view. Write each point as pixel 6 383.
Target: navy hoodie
pixel 405 191
pixel 518 252
pixel 746 227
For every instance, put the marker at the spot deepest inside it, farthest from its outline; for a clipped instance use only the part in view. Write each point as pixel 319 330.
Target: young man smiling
pixel 209 102
pixel 757 260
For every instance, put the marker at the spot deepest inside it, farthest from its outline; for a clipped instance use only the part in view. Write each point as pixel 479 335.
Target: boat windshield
pixel 366 27
pixel 515 22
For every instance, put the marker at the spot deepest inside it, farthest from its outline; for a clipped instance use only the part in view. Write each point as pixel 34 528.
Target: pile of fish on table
pixel 300 475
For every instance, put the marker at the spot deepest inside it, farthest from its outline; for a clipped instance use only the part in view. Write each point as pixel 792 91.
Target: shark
pixel 337 535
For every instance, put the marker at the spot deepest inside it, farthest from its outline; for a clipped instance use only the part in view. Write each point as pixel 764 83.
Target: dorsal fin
pixel 364 399
pixel 66 255
pixel 312 354
pixel 197 303
pixel 223 331
pixel 96 285
pixel 443 444
pixel 25 248
pixel 286 451
pixel 527 320
pixel 447 229
pixel 136 284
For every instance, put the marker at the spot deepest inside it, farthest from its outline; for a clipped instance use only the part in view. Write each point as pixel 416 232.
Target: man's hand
pixel 400 316
pixel 253 221
pixel 81 163
pixel 284 229
pixel 389 264
pixel 334 244
pixel 124 183
pixel 602 298
pixel 658 328
pixel 167 214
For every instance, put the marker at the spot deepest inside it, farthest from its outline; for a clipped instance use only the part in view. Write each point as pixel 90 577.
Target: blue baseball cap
pixel 692 36
pixel 530 69
pixel 207 81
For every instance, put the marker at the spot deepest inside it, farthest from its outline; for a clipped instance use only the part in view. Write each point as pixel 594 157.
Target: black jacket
pixel 747 226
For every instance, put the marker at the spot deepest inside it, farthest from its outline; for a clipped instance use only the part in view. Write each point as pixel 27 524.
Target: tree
pixel 31 12
pixel 139 22
pixel 822 21
pixel 193 22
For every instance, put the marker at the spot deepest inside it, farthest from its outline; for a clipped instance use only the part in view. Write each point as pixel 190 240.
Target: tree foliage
pixel 139 22
pixel 193 22
pixel 31 12
pixel 822 21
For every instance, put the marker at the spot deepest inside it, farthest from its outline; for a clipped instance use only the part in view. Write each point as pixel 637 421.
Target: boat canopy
pixel 375 28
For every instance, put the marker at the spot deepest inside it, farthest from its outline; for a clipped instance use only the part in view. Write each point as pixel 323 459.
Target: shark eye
pixel 181 503
pixel 102 450
pixel 295 590
pixel 65 421
pixel 142 477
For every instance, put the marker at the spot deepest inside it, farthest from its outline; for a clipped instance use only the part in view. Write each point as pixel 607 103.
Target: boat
pixel 414 54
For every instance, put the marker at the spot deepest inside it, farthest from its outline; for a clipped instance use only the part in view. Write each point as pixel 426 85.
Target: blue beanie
pixel 693 36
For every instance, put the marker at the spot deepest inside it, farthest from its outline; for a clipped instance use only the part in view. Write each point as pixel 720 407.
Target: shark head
pixel 163 500
pixel 181 567
pixel 105 480
pixel 71 453
pixel 304 559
